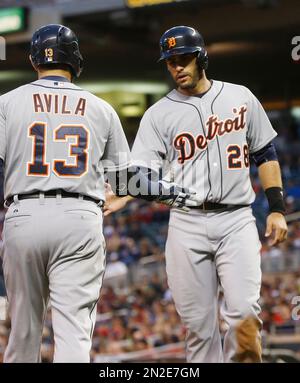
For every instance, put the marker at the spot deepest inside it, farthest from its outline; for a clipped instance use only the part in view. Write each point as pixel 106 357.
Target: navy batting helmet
pixel 56 44
pixel 181 40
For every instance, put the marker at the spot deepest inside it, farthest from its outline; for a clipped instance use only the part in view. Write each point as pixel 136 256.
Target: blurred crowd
pixel 138 313
pixel 280 301
pixel 143 316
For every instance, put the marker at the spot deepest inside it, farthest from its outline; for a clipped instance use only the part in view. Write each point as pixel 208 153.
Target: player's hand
pixel 113 203
pixel 277 228
pixel 183 201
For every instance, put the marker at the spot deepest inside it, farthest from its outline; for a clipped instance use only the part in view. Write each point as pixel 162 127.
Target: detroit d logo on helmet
pixel 171 42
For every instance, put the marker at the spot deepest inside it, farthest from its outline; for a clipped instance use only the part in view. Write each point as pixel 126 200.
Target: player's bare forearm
pixel 270 177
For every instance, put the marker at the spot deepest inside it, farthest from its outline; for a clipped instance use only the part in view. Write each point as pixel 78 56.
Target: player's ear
pixel 30 59
pixel 168 67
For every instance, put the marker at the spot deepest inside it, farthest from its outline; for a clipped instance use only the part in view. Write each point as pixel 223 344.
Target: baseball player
pixel 56 142
pixel 202 134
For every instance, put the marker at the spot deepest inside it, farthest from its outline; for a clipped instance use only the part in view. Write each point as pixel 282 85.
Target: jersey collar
pixel 202 94
pixel 55 78
pixel 215 85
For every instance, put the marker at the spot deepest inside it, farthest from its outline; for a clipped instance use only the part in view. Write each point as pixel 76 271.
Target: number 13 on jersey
pixel 78 151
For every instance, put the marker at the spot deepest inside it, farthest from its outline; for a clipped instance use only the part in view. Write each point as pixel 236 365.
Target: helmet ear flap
pixel 202 59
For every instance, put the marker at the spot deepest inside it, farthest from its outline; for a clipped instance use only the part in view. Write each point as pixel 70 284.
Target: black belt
pixel 53 194
pixel 216 206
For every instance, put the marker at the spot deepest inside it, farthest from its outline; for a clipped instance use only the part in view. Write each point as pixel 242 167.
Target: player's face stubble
pixel 184 71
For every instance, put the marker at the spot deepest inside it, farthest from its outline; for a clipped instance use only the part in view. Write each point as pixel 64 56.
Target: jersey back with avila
pixel 59 137
pixel 204 141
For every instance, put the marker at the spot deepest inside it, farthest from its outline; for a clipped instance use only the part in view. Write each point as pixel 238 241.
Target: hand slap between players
pixel 182 200
pixel 276 224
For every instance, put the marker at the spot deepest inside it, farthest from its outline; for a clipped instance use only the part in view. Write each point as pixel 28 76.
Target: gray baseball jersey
pixel 55 135
pixel 205 142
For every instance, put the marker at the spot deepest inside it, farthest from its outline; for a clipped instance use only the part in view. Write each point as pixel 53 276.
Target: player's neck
pixel 55 72
pixel 202 86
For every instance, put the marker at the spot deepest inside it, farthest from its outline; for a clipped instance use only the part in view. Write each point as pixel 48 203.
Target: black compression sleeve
pixel 267 153
pixel 141 183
